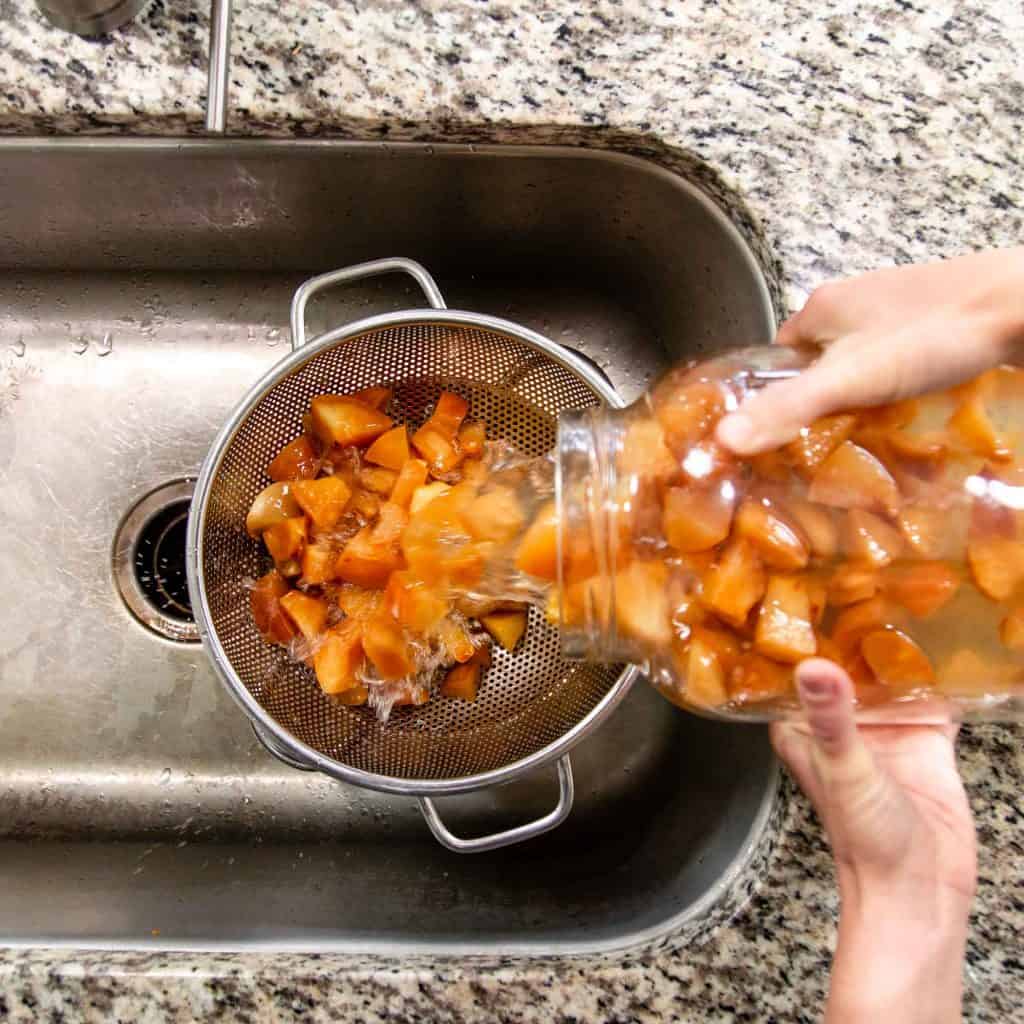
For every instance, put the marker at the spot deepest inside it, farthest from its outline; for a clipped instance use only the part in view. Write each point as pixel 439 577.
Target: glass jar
pixel 889 540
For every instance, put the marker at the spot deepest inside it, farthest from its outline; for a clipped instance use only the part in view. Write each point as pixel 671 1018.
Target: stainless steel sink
pixel 144 285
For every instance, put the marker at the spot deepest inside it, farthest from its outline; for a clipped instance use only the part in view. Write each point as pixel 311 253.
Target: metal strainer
pixel 533 705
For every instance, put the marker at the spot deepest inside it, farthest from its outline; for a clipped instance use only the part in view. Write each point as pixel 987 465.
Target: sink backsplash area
pixel 835 139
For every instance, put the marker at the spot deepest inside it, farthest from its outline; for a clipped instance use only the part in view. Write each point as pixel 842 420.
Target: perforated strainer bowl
pixel 534 705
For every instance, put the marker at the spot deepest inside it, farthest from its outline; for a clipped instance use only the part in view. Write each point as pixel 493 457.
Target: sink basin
pixel 144 285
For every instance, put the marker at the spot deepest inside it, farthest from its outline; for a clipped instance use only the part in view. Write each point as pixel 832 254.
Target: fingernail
pixel 816 688
pixel 736 431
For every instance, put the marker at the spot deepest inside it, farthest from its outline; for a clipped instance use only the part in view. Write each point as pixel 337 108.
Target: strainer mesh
pixel 528 699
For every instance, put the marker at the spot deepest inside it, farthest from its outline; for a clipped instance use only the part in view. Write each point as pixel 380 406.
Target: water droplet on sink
pixel 18 347
pixel 273 337
pixel 165 777
pixel 106 346
pixel 79 345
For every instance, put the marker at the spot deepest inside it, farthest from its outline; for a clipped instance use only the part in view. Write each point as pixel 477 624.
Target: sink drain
pixel 149 562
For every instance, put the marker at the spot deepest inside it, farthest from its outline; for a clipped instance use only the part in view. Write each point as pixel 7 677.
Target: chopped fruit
pixel 852 583
pixel 817 442
pixel 772 465
pixel 358 602
pixel 377 479
pixel 365 504
pixel 817 595
pixel 344 462
pixel 688 414
pixel 1011 629
pixel 267 613
pixel 924 528
pixel 697 518
pixel 895 414
pixel 386 646
pixel 641 604
pixel 972 425
pixel 852 477
pixel 455 641
pixel 495 515
pixel 818 524
pixel 318 562
pixel 391 449
pixel 448 414
pixel 308 613
pixel 295 461
pixel 390 523
pixel 472 437
pixel 338 659
pixel 424 495
pixel 376 398
pixel 408 694
pixel 776 538
pixel 462 682
pixel 411 476
pixel 922 588
pixel 272 505
pixel 412 603
pixel 355 696
pixel 507 627
pixel 703 673
pixel 735 583
pixel 871 540
pixel 322 500
pixel 755 678
pixel 440 454
pixel 896 660
pixel 285 540
pixel 341 419
pixel 366 561
pixel 918 447
pixel 644 452
pixel 997 565
pixel 784 623
pixel 855 622
pixel 537 554
pixel 474 471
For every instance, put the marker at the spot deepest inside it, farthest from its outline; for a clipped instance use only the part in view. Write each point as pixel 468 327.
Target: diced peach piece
pixel 462 682
pixel 852 477
pixel 507 627
pixel 386 646
pixel 924 528
pixel 495 515
pixel 921 588
pixel 641 604
pixel 295 461
pixel 918 447
pixel 307 612
pixel 267 613
pixel 474 471
pixel 697 518
pixel 1011 629
pixel 412 603
pixel 391 449
pixel 449 412
pixel 338 659
pixel 323 500
pixel 455 641
pixel 472 437
pixel 352 697
pixel 688 414
pixel 856 621
pixel 894 415
pixel 376 397
pixel 366 562
pixel 343 420
pixel 997 565
pixel 755 678
pixel 776 538
pixel 818 524
pixel 870 540
pixel 537 554
pixel 735 583
pixel 285 540
pixel 318 562
pixel 974 428
pixel 465 564
pixel 272 505
pixel 424 495
pixel 364 503
pixel 704 675
pixel 412 475
pixel 358 602
pixel 852 583
pixel 784 623
pixel 438 451
pixel 771 465
pixel 390 524
pixel 816 442
pixel 896 660
pixel 644 452
pixel 377 479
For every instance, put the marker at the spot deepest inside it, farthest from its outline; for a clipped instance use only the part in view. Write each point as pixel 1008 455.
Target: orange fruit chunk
pixel 378 479
pixel 386 646
pixel 784 629
pixel 267 613
pixel 295 461
pixel 851 583
pixel 924 528
pixel 376 397
pixel 412 603
pixel 776 538
pixel 338 659
pixel 285 540
pixel 318 562
pixel 703 669
pixel 818 524
pixel 697 518
pixel 755 678
pixel 856 621
pixel 507 627
pixel 896 660
pixel 641 604
pixel 439 453
pixel 455 641
pixel 972 425
pixel 308 613
pixel 870 539
pixel 688 414
pixel 644 452
pixel 997 565
pixel 411 477
pixel 537 554
pixel 817 442
pixel 852 477
pixel 1011 629
pixel 921 588
pixel 462 682
pixel 494 515
pixel 323 500
pixel 343 420
pixel 735 583
pixel 472 436
pixel 358 602
pixel 391 449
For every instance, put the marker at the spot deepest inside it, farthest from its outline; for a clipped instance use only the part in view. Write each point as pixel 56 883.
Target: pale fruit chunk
pixel 921 588
pixel 267 613
pixel 870 540
pixel 494 515
pixel 755 678
pixel 507 627
pixel 644 452
pixel 697 518
pixel 285 540
pixel 997 565
pixel 440 453
pixel 784 623
pixel 854 623
pixel 852 477
pixel 378 479
pixel 338 659
pixel 308 613
pixel 817 442
pixel 462 682
pixel 896 660
pixel 704 672
pixel 344 420
pixel 412 603
pixel 472 438
pixel 852 583
pixel 455 641
pixel 818 524
pixel 1011 629
pixel 391 449
pixel 366 562
pixel 688 414
pixel 974 428
pixel 323 500
pixel 272 505
pixel 776 538
pixel 295 461
pixel 318 563
pixel 358 602
pixel 411 477
pixel 537 554
pixel 735 583
pixel 925 529
pixel 386 646
pixel 641 604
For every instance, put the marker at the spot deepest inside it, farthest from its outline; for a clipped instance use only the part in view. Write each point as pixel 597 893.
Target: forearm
pixel 900 954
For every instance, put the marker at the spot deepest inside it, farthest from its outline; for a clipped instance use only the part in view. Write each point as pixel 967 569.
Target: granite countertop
pixel 856 133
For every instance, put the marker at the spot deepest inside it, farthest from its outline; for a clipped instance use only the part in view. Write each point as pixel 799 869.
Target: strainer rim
pixel 255 711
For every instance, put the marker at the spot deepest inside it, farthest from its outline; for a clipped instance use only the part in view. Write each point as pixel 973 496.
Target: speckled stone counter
pixel 854 134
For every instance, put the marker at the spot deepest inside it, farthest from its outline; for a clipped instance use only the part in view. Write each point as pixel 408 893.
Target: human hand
pixel 900 828
pixel 889 335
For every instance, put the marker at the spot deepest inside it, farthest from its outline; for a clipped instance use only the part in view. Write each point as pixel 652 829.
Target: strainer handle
pixel 512 835
pixel 395 264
